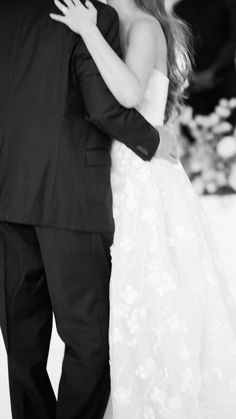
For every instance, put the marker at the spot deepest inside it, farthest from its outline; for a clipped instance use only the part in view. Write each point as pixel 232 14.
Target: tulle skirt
pixel 172 318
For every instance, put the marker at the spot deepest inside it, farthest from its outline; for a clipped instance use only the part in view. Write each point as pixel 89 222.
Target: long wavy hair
pixel 179 55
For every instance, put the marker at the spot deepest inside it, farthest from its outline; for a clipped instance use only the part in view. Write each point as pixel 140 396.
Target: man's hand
pixel 168 144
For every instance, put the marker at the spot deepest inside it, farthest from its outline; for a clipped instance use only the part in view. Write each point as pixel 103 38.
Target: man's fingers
pixel 58 18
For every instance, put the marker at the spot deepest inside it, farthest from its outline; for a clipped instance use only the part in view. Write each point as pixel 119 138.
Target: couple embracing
pixel 99 222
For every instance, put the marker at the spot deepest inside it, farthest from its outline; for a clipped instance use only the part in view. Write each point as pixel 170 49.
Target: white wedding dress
pixel 172 319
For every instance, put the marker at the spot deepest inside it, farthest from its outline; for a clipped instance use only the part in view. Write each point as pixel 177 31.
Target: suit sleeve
pixel 103 110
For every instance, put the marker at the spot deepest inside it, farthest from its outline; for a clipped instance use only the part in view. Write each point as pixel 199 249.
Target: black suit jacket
pixel 57 118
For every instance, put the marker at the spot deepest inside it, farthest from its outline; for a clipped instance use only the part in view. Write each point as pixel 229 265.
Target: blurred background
pixel 207 123
pixel 206 129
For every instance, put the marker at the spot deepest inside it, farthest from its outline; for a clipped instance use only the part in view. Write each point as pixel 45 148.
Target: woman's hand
pixel 168 147
pixel 76 16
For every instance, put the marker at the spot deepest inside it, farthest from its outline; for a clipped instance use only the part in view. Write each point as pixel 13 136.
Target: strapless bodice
pixel 154 103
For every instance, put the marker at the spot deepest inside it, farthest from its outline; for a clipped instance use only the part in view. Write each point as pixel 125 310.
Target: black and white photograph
pixel 117 209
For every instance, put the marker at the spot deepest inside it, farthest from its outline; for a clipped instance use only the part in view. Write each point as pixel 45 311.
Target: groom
pixel 57 119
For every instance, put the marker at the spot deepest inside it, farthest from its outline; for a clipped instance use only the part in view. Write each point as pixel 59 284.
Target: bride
pixel 172 324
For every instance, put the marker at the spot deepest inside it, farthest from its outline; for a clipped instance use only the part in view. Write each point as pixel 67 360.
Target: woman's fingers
pixel 61 6
pixel 90 5
pixel 75 15
pixel 78 3
pixel 69 3
pixel 58 18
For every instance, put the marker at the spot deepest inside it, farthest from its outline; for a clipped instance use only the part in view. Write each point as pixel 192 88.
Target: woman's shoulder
pixel 147 29
pixel 147 26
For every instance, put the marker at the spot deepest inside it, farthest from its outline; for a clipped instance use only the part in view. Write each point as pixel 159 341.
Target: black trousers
pixel 45 270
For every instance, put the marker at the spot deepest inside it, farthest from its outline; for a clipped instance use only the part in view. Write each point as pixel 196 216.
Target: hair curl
pixel 180 53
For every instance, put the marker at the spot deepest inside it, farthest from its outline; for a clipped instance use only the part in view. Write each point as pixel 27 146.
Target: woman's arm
pixel 126 80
